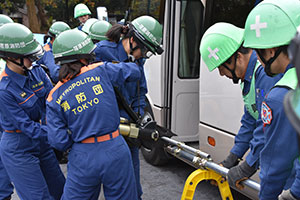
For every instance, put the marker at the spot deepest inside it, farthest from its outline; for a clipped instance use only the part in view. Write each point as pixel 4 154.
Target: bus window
pixel 190 35
pixel 231 11
pixel 154 8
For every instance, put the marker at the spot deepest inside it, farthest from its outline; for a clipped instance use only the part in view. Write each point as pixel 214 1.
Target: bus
pixel 183 96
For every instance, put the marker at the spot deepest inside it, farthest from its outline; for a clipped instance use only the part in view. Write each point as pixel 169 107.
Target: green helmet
pixel 88 24
pixel 58 27
pixel 72 45
pixel 99 29
pixel 220 42
pixel 17 41
pixel 148 31
pixel 81 10
pixel 272 23
pixel 5 19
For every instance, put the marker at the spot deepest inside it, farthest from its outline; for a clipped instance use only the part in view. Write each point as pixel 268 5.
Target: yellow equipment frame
pixel 205 174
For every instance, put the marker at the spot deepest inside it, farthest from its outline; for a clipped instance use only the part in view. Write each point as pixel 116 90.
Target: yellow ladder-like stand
pixel 200 175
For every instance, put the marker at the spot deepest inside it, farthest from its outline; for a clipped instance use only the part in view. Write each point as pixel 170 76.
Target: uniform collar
pixel 251 66
pixel 108 43
pixel 289 67
pixel 122 53
pixel 15 77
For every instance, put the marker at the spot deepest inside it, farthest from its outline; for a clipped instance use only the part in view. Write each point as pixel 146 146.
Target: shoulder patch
pixel 266 113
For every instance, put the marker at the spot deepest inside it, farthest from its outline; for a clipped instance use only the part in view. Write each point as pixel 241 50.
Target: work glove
pixel 231 161
pixel 286 195
pixel 240 173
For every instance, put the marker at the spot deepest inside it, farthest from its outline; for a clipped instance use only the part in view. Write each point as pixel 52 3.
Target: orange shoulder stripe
pixel 3 74
pixel 82 70
pixel 47 47
pixel 90 67
pixel 49 98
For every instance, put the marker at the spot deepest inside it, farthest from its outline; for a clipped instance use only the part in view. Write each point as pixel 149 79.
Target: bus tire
pixel 156 155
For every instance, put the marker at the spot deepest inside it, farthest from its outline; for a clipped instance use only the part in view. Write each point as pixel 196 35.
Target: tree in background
pixel 32 18
pixel 42 13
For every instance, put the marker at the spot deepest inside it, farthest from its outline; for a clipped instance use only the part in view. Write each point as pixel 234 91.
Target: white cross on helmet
pixel 257 26
pixel 213 53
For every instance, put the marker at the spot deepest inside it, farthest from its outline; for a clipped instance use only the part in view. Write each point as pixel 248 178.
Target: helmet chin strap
pixel 268 63
pixel 235 79
pixel 21 65
pixel 131 58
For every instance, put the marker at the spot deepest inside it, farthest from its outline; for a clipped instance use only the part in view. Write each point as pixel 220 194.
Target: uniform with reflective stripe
pixel 281 142
pixel 25 152
pixel 111 51
pixel 48 60
pixel 256 84
pixel 86 107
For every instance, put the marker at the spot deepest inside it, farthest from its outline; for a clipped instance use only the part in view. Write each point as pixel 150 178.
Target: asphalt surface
pixel 167 182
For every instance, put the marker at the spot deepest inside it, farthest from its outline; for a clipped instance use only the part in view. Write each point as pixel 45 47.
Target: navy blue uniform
pixel 111 51
pixel 250 134
pixel 48 60
pixel 6 188
pixel 281 145
pixel 25 152
pixel 85 108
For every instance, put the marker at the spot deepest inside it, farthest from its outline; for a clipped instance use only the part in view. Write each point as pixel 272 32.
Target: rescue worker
pixel 82 13
pixel 98 30
pixel 26 155
pixel 84 117
pixel 222 47
pixel 6 188
pixel 291 106
pixel 140 39
pixel 88 24
pixel 48 60
pixel 269 28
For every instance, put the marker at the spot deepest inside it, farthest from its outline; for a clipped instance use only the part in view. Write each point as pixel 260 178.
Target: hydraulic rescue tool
pixel 147 130
pixel 148 133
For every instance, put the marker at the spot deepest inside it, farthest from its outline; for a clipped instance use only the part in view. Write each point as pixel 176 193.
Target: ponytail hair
pixel 116 32
pixel 68 71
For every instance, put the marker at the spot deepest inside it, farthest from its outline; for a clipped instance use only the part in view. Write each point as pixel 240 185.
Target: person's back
pixel 88 94
pixel 84 118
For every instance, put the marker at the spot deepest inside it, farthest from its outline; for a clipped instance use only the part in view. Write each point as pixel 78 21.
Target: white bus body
pixel 197 106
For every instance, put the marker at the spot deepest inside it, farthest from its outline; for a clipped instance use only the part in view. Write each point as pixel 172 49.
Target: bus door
pixel 188 31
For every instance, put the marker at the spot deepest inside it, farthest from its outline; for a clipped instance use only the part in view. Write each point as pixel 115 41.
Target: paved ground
pixel 167 182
